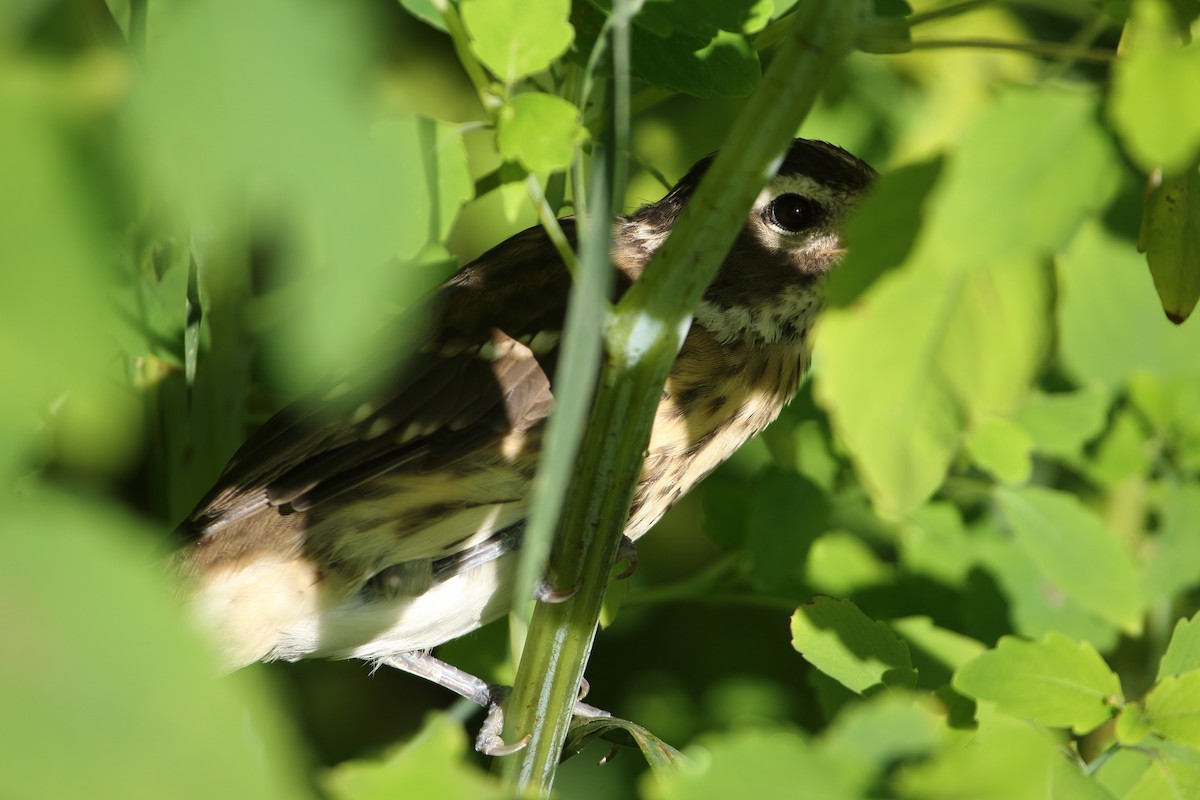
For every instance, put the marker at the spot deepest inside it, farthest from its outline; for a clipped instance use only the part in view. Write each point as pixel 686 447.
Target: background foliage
pixel 963 564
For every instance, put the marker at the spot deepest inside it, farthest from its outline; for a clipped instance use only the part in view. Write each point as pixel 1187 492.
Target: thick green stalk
pixel 642 338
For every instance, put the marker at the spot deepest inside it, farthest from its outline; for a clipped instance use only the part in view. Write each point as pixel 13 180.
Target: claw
pixel 489 741
pixel 584 688
pixel 627 551
pixel 548 594
pixel 609 756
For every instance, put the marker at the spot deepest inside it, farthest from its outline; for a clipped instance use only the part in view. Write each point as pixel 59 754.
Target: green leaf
pixel 1005 760
pixel 1063 422
pixel 1170 238
pixel 52 326
pixel 882 731
pixel 1155 85
pixel 771 765
pixel 700 17
pixel 1167 777
pixel 105 689
pixel 1120 771
pixel 1131 727
pixel 1183 651
pixel 1075 550
pixel 840 564
pixel 1069 782
pixel 1036 605
pixel 1171 555
pixel 539 130
pixel 1172 708
pixel 1109 315
pixel 968 299
pixel 725 65
pixel 787 512
pixel 1002 447
pixel 662 757
pixel 947 647
pixel 515 38
pixel 1055 682
pixel 432 764
pixel 883 230
pixel 1122 452
pixel 426 11
pixel 844 643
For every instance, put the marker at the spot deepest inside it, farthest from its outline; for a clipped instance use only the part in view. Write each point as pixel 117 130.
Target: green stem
pixel 1045 49
pixel 642 338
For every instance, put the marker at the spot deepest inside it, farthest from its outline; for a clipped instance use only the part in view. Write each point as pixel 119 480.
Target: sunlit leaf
pixel 844 643
pixel 539 130
pixel 1183 651
pixel 515 38
pixel 1172 708
pixel 1055 682
pixel 1076 551
pixel 1155 85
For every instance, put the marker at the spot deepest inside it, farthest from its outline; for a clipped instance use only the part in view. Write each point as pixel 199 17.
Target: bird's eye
pixel 792 212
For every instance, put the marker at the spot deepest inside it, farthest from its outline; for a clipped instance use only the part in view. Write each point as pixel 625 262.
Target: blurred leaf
pixel 1068 781
pixel 1172 554
pixel 1167 778
pixel 787 512
pixel 840 564
pixel 1055 682
pixel 106 692
pixel 1036 603
pixel 1172 708
pixel 1003 448
pixel 1063 422
pixel 432 764
pixel 766 765
pixel 882 731
pixel 934 542
pixel 1170 238
pixel 1155 85
pixel 1131 727
pixel 279 134
pixel 1074 549
pixel 1122 452
pixel 846 644
pixel 968 299
pixel 1109 315
pixel 883 230
pixel 52 327
pixel 1183 651
pixel 1070 173
pixel 1121 770
pixel 950 648
pixel 515 38
pixel 539 130
pixel 982 767
pixel 662 757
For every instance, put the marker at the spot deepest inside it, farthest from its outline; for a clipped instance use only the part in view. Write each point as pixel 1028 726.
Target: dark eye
pixel 792 212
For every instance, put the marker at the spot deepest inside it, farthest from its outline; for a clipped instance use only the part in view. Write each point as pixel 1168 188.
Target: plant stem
pixel 1046 49
pixel 642 338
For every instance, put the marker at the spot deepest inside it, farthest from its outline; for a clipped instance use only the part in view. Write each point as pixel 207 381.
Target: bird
pixel 381 514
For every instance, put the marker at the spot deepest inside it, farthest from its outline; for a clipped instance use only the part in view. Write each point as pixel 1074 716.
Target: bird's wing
pixel 470 381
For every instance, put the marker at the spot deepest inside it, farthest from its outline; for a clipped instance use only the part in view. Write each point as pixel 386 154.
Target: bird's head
pixel 768 286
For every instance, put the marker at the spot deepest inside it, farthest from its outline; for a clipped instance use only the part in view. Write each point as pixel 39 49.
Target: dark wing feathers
pixel 443 402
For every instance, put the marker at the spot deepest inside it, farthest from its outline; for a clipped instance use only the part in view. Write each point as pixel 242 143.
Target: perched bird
pixel 376 520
